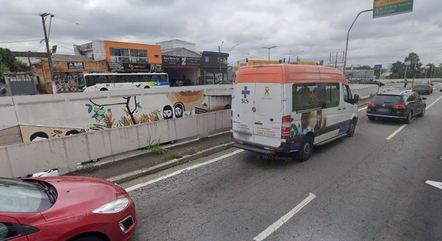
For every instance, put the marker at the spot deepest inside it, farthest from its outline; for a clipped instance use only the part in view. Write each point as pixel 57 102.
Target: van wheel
pixel 352 128
pixel 103 89
pixel 306 151
pixel 147 87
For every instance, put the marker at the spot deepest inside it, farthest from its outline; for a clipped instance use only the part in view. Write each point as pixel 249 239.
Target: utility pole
pixel 268 51
pixel 219 60
pixel 48 50
pixel 348 36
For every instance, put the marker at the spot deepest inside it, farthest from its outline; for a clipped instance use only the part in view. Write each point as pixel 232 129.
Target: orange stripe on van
pixel 289 73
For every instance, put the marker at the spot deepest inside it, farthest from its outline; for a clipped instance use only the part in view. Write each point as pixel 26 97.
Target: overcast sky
pixel 308 28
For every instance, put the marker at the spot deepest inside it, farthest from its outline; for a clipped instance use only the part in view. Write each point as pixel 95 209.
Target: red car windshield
pixel 20 196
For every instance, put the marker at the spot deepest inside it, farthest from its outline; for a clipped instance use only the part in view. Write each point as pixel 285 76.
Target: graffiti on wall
pixel 36 133
pixel 179 105
pixel 68 82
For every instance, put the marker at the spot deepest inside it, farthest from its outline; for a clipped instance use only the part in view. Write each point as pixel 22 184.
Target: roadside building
pixel 68 71
pixel 214 67
pixel 123 56
pixel 182 65
pixel 177 43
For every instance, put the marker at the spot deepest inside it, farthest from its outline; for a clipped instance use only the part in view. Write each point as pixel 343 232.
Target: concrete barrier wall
pixel 364 91
pixel 54 116
pixel 67 152
pixel 8 116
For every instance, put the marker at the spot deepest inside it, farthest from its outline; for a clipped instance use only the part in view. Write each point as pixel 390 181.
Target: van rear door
pixel 268 106
pixel 242 113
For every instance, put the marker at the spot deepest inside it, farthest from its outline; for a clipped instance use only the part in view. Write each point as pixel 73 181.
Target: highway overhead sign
pixel 382 8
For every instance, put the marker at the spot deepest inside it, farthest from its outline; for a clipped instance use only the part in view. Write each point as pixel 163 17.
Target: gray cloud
pixel 308 28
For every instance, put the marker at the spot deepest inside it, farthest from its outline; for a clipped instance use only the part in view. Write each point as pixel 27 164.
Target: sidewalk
pixel 154 159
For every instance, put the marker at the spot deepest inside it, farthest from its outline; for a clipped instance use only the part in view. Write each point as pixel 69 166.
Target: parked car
pixel 423 87
pixel 288 108
pixel 396 104
pixel 65 209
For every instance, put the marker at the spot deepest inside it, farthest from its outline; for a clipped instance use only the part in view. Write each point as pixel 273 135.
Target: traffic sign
pixel 382 8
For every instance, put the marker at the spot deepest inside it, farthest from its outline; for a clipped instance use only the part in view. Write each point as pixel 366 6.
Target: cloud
pixel 311 29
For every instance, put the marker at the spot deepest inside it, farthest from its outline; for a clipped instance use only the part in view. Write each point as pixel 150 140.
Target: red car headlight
pixel 113 207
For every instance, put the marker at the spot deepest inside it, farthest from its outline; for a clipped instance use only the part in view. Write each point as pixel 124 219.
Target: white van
pixel 288 108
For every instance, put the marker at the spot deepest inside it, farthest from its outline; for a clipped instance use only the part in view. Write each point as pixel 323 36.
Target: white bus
pixel 119 81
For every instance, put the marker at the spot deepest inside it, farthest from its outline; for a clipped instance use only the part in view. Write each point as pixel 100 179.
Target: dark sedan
pixel 423 87
pixel 399 105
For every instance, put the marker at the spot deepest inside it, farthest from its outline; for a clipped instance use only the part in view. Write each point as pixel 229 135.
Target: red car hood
pixel 79 196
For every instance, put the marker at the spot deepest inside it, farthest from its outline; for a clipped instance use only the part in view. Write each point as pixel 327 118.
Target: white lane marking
pixel 363 108
pixel 405 125
pixel 140 185
pixel 434 184
pixel 276 225
pixel 396 131
pixel 434 102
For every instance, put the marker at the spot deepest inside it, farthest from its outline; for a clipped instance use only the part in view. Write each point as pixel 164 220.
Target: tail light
pixel 400 106
pixel 286 127
pixel 371 104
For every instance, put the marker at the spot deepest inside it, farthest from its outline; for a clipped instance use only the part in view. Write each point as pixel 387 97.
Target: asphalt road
pixel 365 188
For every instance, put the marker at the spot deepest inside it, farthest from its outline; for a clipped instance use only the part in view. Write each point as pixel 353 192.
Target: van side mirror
pixel 355 99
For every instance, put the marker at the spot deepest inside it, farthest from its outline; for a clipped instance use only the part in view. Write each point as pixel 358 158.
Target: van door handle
pixel 343 108
pixel 339 108
pixel 258 123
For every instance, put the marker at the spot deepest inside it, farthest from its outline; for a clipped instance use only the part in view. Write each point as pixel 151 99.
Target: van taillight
pixel 286 127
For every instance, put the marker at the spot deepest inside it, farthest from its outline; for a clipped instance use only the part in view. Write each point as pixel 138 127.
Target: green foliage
pixel 8 62
pixel 156 148
pixel 413 70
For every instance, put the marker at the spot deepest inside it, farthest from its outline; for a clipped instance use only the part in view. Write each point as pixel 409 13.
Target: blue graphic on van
pixel 245 92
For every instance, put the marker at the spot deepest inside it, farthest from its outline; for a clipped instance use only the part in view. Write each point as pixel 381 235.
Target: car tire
pixel 371 118
pixel 352 128
pixel 409 117
pixel 306 150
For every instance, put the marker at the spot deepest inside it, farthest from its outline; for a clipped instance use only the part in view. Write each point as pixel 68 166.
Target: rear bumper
pixel 386 116
pixel 285 148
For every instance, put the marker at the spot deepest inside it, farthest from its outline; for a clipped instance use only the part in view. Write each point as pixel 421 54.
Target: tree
pixel 397 70
pixel 8 62
pixel 415 66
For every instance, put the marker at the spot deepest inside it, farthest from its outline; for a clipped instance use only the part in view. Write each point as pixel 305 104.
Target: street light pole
pixel 51 70
pixel 348 36
pixel 268 51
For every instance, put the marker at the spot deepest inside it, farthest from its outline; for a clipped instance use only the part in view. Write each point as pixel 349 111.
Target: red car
pixel 66 209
